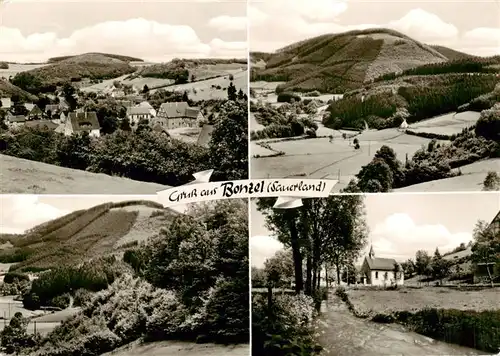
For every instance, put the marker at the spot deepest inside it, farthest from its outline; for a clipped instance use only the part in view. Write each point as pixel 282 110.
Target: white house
pixel 378 271
pixel 5 103
pixel 82 122
pixel 136 114
pixel 404 125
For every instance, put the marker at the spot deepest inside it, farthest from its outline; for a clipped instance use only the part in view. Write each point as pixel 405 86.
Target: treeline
pixel 436 161
pixel 477 65
pixel 421 102
pixel 190 283
pixel 143 155
pixel 322 233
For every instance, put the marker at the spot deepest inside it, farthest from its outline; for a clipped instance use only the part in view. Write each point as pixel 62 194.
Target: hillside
pixel 85 234
pixel 8 90
pixel 90 65
pixel 114 56
pixel 22 176
pixel 452 54
pixel 336 63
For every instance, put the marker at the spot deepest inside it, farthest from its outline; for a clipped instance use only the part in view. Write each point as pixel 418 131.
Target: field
pixel 471 179
pixel 139 82
pixel 320 159
pixel 205 90
pixel 29 177
pixel 449 124
pixel 406 299
pixel 265 91
pixel 18 68
pixel 177 348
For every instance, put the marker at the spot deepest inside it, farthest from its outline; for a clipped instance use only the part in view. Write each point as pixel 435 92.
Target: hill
pixel 85 234
pixel 90 65
pixel 336 63
pixel 22 176
pixel 114 56
pixel 452 54
pixel 7 89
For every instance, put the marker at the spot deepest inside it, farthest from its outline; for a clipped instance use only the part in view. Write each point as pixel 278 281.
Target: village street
pixel 341 333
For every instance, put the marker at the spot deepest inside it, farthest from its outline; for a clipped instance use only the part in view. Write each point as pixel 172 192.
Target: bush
pixel 61 301
pixel 283 329
pixel 286 97
pixel 12 277
pixel 82 297
pixel 473 329
pixel 488 125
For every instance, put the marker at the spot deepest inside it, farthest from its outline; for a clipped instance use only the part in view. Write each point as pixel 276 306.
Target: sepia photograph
pixel 121 97
pixel 122 275
pixel 382 96
pixel 376 274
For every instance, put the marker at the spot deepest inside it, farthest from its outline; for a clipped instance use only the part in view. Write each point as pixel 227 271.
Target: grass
pixel 7 90
pixel 115 56
pixel 413 299
pixel 448 124
pixel 30 177
pixel 318 158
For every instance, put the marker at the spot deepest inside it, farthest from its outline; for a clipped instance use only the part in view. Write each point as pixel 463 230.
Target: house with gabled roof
pixel 376 271
pixel 51 110
pixel 177 115
pixel 34 112
pixel 79 122
pixel 136 114
pixel 145 104
pixel 15 120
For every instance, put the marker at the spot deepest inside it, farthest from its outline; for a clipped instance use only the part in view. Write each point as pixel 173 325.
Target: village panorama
pixel 381 274
pixel 123 117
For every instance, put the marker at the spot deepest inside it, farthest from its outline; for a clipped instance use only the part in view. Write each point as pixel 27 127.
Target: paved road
pixel 340 333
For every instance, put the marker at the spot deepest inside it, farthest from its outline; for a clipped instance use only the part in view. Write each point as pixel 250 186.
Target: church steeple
pixel 371 254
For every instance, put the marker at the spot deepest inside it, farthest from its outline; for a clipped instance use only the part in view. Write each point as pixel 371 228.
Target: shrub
pixel 61 301
pixel 82 297
pixel 286 97
pixel 488 125
pixel 12 277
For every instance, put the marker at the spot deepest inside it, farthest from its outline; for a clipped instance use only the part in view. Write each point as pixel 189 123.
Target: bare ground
pixel 21 176
pixel 410 299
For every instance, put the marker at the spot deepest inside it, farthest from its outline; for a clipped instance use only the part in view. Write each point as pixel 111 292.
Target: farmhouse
pixel 15 120
pixel 377 271
pixel 136 114
pixel 82 122
pixel 34 112
pixel 6 103
pixel 177 115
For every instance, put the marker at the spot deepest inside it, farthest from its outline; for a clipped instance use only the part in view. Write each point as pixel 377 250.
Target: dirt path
pixel 341 333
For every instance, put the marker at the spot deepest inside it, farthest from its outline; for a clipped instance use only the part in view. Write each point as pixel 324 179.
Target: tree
pixel 145 89
pixel 397 269
pixel 422 262
pixel 279 268
pixel 375 177
pixel 125 125
pixel 229 143
pixel 488 124
pixel 258 277
pixel 69 94
pixel 440 266
pixel 408 268
pixel 231 92
pixel 185 97
pixel 241 95
pixel 14 336
pixel 486 248
pixel 193 77
pixel 491 182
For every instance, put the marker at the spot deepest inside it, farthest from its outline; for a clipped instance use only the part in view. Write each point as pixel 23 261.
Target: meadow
pixel 448 124
pixel 414 299
pixel 321 159
pixel 15 68
pixel 29 177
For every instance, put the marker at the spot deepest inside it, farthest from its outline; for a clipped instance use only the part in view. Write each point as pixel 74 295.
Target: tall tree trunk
pixel 319 277
pixel 489 275
pixel 308 243
pixel 297 255
pixel 326 277
pixel 337 267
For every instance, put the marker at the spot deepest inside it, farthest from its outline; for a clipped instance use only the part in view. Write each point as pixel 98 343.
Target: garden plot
pixel 449 124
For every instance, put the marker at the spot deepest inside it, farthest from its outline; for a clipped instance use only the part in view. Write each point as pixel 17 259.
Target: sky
pixel 154 30
pixel 401 224
pixel 20 212
pixel 469 26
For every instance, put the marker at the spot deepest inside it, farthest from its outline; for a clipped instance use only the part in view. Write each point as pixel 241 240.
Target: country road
pixel 341 333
